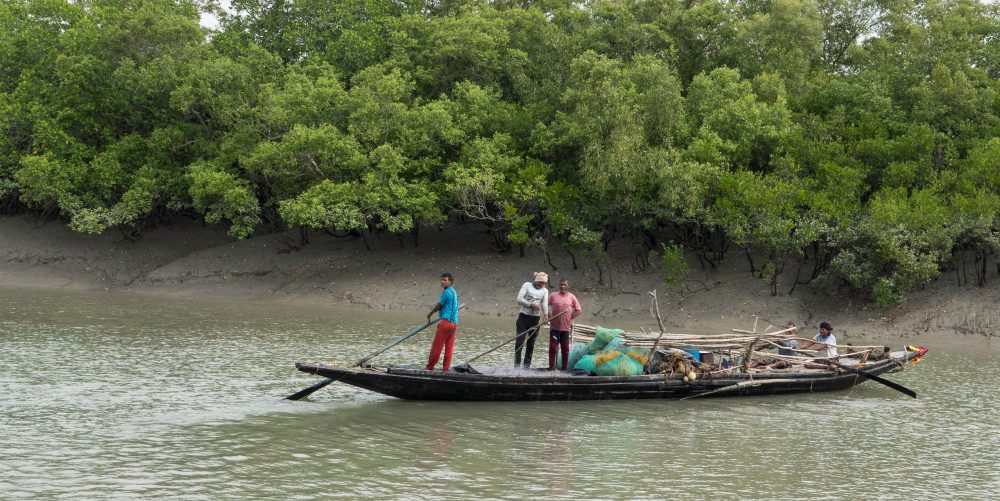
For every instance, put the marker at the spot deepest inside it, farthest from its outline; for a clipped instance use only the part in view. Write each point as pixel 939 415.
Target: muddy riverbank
pixel 193 260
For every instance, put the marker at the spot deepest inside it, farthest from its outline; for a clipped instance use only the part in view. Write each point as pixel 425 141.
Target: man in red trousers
pixel 445 336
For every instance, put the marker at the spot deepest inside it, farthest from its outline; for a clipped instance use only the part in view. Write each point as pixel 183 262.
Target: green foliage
pixel 736 129
pixel 901 241
pixel 490 184
pixel 786 38
pixel 889 291
pixel 304 155
pixel 381 200
pixel 863 131
pixel 675 267
pixel 222 196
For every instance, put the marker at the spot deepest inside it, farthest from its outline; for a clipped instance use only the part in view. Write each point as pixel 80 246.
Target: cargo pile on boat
pixel 687 354
pixel 607 354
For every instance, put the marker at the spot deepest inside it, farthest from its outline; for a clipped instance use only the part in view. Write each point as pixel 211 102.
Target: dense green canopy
pixel 857 135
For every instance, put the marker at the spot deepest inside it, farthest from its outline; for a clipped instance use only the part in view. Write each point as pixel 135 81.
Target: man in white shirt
pixel 533 303
pixel 824 342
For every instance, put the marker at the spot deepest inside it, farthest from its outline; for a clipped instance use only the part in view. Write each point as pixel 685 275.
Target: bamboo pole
pixel 742 384
pixel 659 322
pixel 746 358
pixel 737 341
pixel 844 346
pixel 788 358
pixel 525 333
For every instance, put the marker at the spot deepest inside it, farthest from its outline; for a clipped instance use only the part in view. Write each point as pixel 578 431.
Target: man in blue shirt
pixel 445 336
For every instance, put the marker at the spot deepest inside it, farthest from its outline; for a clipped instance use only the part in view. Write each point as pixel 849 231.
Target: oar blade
pixel 299 395
pixel 896 386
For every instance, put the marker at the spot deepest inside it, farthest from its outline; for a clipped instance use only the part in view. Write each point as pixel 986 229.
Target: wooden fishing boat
pixel 496 384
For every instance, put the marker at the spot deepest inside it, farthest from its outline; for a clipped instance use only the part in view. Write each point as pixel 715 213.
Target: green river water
pixel 108 396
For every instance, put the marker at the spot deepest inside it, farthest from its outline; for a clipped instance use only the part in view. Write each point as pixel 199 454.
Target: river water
pixel 106 396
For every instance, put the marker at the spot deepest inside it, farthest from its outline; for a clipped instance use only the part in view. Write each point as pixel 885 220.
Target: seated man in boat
pixel 826 345
pixel 788 350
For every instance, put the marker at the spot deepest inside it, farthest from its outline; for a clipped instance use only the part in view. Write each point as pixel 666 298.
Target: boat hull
pixel 418 384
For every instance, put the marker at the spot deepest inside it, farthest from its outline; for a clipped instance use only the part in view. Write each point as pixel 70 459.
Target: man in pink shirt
pixel 562 301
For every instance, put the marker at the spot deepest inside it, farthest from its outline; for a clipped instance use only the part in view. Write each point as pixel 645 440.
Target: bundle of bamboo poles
pixel 716 342
pixel 739 340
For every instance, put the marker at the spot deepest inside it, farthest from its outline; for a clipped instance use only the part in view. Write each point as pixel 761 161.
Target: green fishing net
pixel 602 337
pixel 615 343
pixel 621 365
pixel 586 363
pixel 607 355
pixel 640 355
pixel 575 352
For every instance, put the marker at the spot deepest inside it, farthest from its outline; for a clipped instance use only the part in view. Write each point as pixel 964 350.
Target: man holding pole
pixel 447 327
pixel 561 302
pixel 533 300
pixel 826 343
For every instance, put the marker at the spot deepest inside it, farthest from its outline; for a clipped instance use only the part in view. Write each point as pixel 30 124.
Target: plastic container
pixel 693 350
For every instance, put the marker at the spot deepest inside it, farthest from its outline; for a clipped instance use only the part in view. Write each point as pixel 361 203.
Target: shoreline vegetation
pixel 799 158
pixel 193 260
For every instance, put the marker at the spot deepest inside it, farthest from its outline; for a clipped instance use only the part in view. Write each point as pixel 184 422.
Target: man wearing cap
pixel 824 342
pixel 533 303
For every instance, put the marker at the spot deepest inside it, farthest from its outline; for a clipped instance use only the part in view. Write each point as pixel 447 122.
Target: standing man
pixel 534 309
pixel 445 335
pixel 561 302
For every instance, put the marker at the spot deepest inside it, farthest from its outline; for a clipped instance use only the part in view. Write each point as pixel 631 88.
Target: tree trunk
pixel 572 258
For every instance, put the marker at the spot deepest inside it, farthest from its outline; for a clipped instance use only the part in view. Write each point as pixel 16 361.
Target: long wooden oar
pixel 896 386
pixel 525 333
pixel 299 395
